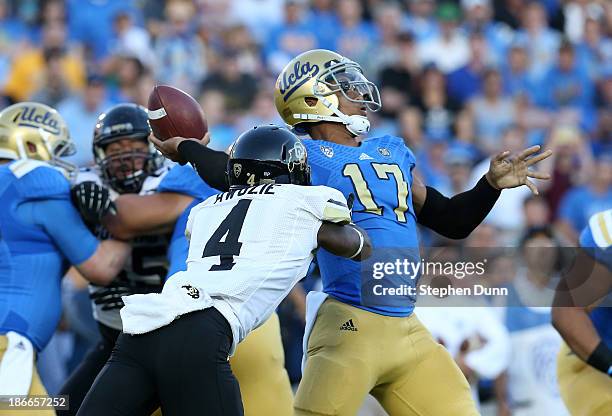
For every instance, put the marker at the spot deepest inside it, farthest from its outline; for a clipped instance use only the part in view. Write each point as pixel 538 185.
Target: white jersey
pixel 248 248
pixel 146 267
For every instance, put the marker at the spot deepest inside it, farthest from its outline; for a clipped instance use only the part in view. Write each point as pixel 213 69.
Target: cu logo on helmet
pixel 237 169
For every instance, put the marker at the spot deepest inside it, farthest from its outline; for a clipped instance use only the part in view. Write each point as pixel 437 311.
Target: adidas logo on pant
pixel 348 326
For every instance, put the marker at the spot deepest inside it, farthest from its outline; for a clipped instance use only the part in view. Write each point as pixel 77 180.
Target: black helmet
pixel 125 172
pixel 267 154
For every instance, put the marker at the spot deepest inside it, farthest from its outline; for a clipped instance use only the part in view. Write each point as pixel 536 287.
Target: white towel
pixel 16 366
pixel 314 300
pixel 146 313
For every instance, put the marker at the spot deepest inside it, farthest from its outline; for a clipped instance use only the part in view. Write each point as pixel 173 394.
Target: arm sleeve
pixel 458 216
pixel 61 221
pixel 210 164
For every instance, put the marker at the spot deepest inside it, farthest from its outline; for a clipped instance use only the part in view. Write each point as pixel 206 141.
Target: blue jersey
pixel 379 175
pixel 597 239
pixel 36 248
pixel 183 180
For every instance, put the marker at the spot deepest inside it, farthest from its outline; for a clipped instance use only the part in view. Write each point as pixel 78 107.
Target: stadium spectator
pixel 567 86
pixel 516 80
pixel 479 17
pixel 221 129
pixel 420 19
pixel 90 22
pixel 180 53
pixel 132 40
pixel 291 37
pixel 388 26
pixel 14 35
pixel 529 387
pixel 397 80
pixel 493 113
pixel 239 88
pixel 81 112
pixel 466 81
pixel 26 75
pixel 437 109
pixel 449 49
pixel 580 203
pixel 356 38
pixel 536 212
pixel 127 72
pixel 53 86
pixel 541 41
pixel 570 165
pixel 254 12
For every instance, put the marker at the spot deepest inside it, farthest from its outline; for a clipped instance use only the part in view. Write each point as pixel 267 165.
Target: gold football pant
pixel 259 366
pixel 36 388
pixel 353 352
pixel 585 390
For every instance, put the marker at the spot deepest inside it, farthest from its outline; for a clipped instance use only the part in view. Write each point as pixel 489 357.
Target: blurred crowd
pixel 460 81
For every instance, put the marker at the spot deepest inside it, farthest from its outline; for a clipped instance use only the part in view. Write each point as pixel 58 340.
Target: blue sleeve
pixel 179 245
pixel 185 180
pixel 69 234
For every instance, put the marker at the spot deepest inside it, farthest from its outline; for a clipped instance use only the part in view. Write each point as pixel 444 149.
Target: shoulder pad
pixel 600 226
pixel 88 174
pixel 39 180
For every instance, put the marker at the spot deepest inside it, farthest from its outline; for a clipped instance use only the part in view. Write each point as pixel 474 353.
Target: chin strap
pixel 357 125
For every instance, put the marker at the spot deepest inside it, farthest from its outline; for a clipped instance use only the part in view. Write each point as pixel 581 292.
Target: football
pixel 173 112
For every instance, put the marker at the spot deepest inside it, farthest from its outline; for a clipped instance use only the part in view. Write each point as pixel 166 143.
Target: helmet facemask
pixel 344 77
pixel 126 171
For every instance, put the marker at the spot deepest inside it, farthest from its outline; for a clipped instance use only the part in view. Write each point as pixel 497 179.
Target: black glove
pixel 110 296
pixel 93 201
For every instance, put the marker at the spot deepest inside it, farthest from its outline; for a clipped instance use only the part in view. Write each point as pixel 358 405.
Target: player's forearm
pixel 349 241
pixel 140 215
pixel 576 329
pixel 210 164
pixel 106 262
pixel 458 216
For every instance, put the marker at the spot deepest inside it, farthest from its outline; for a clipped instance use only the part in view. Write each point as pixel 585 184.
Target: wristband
pixel 601 359
pixel 361 241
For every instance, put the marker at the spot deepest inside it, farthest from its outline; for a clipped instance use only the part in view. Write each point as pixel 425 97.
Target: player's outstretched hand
pixel 510 171
pixel 169 147
pixel 93 201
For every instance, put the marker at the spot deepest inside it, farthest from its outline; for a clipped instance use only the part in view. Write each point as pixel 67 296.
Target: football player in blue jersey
pixel 359 343
pixel 41 234
pixel 259 361
pixel 583 316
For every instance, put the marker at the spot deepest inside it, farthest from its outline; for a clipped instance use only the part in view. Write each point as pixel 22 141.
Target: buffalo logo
pixel 192 291
pixel 297 152
pixel 30 118
pixel 292 80
pixel 327 151
pixel 384 151
pixel 237 169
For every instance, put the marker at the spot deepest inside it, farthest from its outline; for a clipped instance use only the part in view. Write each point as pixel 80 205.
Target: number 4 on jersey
pixel 229 228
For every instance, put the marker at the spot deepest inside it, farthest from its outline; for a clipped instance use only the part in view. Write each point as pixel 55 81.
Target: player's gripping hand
pixel 169 147
pixel 93 201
